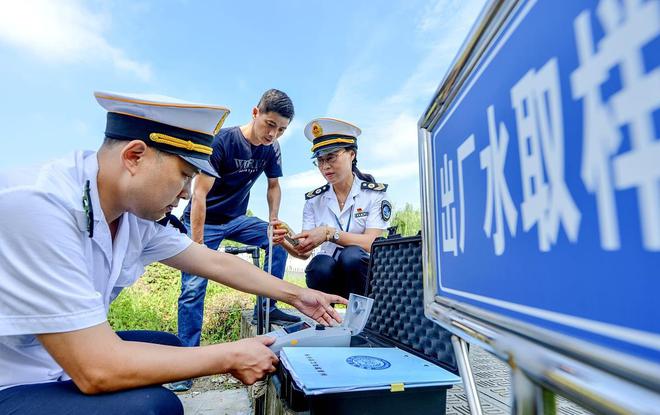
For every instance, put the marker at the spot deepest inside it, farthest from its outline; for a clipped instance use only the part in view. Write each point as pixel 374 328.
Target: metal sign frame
pixel 596 377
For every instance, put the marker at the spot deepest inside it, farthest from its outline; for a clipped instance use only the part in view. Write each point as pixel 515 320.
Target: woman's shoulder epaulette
pixel 376 187
pixel 317 191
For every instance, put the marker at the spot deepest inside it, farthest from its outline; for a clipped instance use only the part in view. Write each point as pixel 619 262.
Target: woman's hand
pixel 310 239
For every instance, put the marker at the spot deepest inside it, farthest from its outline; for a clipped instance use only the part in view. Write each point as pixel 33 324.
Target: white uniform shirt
pixel 362 210
pixel 53 276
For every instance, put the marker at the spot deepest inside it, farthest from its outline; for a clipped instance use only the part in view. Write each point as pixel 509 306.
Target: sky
pixel 374 63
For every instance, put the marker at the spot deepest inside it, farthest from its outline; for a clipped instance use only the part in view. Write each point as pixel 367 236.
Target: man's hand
pixel 316 304
pixel 252 359
pixel 278 231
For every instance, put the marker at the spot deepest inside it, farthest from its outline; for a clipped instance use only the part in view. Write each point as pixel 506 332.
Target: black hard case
pixel 397 320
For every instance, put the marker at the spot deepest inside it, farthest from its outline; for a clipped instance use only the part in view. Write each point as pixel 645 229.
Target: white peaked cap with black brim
pixel 329 134
pixel 168 124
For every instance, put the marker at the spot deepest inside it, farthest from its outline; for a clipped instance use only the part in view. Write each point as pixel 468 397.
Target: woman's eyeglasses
pixel 329 159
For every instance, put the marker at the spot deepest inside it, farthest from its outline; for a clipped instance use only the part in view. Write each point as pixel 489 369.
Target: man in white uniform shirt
pixel 77 230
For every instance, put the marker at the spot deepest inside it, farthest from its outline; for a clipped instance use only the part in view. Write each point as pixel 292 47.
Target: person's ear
pixel 255 112
pixel 133 155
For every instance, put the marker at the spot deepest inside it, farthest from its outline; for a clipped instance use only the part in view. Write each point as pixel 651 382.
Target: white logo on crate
pixel 368 362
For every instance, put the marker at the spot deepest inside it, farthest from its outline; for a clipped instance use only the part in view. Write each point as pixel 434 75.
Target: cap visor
pixel 201 164
pixel 329 149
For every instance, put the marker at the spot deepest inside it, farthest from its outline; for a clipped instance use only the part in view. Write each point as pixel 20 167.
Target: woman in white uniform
pixel 342 217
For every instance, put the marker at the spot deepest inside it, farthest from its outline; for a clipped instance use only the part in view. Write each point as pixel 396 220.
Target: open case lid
pixel 357 313
pixel 397 316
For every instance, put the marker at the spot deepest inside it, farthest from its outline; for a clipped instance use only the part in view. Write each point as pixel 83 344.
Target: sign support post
pixel 465 370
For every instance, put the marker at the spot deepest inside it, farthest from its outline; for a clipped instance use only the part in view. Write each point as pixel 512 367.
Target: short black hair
pixel 109 143
pixel 277 101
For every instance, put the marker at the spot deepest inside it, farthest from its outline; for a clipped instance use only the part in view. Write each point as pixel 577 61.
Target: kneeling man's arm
pixel 99 361
pixel 239 274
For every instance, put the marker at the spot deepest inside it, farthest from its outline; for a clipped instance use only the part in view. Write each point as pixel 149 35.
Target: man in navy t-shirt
pixel 219 205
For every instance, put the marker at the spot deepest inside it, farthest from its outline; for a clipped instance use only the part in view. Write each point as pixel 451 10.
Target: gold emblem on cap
pixel 180 143
pixel 317 131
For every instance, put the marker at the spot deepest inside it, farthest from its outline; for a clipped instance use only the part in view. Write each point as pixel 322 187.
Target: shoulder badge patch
pixel 385 210
pixel 317 191
pixel 377 187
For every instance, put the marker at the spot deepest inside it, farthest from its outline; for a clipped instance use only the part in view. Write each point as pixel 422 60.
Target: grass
pixel 151 304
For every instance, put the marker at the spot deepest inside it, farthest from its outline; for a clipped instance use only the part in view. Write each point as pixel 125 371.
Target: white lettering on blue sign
pixel 448 215
pixel 547 203
pixel 628 27
pixel 498 198
pixel 448 211
pixel 582 112
pixel 465 149
pixel 605 168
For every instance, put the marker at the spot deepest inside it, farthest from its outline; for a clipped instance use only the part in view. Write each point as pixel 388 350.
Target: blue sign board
pixel 546 171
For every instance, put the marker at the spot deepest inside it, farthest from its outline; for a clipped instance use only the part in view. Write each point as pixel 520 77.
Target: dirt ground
pixel 215 382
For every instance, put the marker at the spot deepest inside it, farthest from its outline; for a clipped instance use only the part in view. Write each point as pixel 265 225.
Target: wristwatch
pixel 335 236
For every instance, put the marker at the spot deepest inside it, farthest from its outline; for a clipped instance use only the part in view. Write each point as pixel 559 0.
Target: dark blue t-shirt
pixel 238 164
